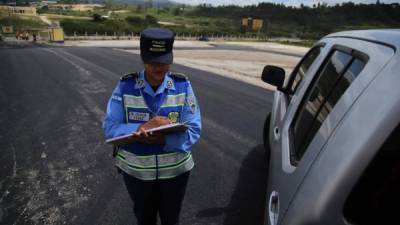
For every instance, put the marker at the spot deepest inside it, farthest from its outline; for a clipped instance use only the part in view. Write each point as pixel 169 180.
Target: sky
pixel 286 2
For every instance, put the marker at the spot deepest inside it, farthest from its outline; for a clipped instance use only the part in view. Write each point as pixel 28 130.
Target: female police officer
pixel 155 167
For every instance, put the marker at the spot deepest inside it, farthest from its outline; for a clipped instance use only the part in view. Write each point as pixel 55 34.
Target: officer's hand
pixel 142 136
pixel 136 136
pixel 141 132
pixel 148 138
pixel 154 122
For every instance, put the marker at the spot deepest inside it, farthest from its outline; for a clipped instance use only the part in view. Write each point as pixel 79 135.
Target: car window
pixel 302 69
pixel 330 83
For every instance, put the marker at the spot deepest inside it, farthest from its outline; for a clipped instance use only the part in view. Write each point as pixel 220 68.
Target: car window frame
pixel 355 54
pixel 288 93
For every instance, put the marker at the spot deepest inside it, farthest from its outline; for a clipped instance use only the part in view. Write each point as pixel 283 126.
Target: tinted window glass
pixel 303 68
pixel 322 97
pixel 341 86
pixel 356 66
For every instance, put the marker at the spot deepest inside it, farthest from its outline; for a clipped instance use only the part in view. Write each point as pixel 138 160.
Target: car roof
pixel 390 37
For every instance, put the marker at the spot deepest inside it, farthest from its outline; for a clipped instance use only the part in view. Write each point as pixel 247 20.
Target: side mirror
pixel 273 75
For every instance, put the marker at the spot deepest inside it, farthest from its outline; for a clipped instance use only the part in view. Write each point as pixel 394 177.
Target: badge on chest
pixel 139 116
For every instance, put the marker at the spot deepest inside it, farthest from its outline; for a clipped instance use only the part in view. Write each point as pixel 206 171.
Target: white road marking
pixel 78 67
pixel 99 113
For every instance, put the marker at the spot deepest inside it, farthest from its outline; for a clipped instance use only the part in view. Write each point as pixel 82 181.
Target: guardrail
pixel 76 37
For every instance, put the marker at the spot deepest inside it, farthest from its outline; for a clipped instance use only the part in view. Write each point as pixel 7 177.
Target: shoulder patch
pixel 177 76
pixel 129 76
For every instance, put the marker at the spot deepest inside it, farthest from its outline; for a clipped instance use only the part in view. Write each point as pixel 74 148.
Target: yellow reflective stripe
pixel 167 154
pixel 143 175
pixel 138 161
pixel 165 106
pixel 166 161
pixel 151 174
pixel 137 167
pixel 132 101
pixel 171 173
pixel 144 156
pixel 171 159
pixel 176 165
pixel 174 100
pixel 165 178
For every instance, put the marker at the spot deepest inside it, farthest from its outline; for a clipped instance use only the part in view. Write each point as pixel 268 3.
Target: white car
pixel 333 135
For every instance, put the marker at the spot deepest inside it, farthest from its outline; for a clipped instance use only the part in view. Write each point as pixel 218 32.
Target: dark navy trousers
pixel 164 197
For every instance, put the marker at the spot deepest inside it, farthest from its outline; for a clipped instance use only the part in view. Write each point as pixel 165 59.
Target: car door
pixel 363 111
pixel 282 100
pixel 307 123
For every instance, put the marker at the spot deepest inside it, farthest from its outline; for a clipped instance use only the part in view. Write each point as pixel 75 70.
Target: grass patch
pixel 23 22
pixel 59 17
pixel 90 27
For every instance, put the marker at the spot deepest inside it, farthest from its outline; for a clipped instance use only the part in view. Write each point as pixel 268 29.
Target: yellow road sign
pixel 56 34
pixel 245 22
pixel 257 24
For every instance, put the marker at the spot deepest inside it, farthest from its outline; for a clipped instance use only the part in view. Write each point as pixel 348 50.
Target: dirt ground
pixel 245 64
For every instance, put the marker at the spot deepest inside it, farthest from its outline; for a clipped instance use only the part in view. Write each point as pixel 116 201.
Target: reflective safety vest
pixel 151 167
pixel 151 162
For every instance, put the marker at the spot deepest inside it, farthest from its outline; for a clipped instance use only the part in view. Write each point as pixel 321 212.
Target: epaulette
pixel 179 76
pixel 129 76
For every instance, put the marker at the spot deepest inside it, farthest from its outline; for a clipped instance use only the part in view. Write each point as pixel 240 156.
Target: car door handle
pixel 273 208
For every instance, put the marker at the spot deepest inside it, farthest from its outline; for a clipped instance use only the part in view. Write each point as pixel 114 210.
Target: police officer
pixel 155 167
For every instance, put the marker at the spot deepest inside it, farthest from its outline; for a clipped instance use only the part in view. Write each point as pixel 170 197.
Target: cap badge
pixel 169 84
pixel 158 46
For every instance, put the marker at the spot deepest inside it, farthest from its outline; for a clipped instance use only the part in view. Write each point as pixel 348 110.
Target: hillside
pixel 309 23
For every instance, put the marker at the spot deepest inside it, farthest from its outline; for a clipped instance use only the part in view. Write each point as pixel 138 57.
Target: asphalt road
pixel 56 169
pixel 218 46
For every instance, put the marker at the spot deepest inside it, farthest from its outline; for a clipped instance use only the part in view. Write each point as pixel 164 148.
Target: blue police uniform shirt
pixel 116 124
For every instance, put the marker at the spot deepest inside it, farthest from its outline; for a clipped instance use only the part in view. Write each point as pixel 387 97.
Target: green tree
pixel 176 11
pixel 109 4
pixel 97 17
pixel 44 9
pixel 134 20
pixel 150 20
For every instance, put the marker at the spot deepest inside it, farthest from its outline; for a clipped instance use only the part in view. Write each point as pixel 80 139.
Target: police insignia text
pixel 139 116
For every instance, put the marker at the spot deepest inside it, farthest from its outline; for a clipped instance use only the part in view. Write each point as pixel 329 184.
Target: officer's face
pixel 155 73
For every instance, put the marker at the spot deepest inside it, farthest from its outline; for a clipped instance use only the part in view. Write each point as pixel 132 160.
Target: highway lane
pixel 216 46
pixel 55 168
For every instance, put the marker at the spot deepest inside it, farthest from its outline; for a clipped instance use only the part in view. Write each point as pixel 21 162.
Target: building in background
pixel 75 7
pixel 18 10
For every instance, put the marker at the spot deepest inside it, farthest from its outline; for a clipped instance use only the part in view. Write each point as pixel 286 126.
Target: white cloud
pixel 286 2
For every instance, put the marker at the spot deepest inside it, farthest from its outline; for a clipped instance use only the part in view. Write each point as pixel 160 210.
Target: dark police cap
pixel 156 45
